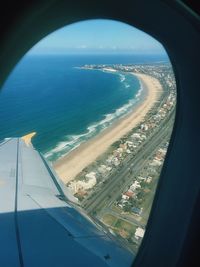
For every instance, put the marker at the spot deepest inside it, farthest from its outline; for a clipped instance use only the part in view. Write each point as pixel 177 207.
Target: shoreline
pixel 69 166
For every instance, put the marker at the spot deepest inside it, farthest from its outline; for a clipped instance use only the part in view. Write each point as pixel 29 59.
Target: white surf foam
pixel 71 142
pixel 122 77
pixel 127 85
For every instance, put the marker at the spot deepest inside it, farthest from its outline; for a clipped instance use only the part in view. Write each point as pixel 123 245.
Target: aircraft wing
pixel 40 225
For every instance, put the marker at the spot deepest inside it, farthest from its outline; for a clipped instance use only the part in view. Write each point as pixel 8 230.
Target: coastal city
pixel 92 148
pixel 118 188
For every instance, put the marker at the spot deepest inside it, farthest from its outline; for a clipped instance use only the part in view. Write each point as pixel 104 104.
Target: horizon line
pixel 96 54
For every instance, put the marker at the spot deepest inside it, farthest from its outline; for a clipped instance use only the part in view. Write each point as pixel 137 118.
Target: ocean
pixel 66 105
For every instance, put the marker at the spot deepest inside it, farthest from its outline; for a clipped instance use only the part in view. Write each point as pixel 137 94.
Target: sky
pixel 98 37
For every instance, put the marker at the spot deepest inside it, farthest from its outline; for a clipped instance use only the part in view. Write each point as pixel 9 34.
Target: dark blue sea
pixel 66 105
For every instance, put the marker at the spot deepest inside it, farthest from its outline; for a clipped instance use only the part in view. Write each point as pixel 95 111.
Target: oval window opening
pixel 100 96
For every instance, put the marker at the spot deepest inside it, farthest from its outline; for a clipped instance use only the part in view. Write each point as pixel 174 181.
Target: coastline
pixel 73 163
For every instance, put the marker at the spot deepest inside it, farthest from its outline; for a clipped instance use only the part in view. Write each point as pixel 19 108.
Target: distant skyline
pixel 98 37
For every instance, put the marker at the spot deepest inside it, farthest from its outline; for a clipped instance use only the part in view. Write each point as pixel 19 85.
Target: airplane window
pixel 101 97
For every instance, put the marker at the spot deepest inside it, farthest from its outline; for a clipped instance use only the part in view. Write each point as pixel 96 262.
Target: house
pixel 116 162
pixel 136 210
pixel 139 233
pixel 125 197
pixel 148 180
pixel 129 194
pixel 135 185
pixel 91 175
pixel 144 127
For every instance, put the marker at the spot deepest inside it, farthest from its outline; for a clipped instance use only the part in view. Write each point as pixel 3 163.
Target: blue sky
pixel 98 36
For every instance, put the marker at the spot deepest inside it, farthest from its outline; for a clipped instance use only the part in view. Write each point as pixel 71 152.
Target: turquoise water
pixel 63 104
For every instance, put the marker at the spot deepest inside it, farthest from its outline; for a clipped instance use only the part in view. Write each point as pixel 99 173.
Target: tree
pixel 127 207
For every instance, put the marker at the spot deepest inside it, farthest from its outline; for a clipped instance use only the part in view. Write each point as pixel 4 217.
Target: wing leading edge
pixel 40 224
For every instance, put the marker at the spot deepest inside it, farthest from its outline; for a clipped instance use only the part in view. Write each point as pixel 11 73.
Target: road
pixel 125 217
pixel 109 191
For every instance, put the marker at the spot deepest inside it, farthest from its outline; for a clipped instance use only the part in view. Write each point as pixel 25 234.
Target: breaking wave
pixel 71 142
pixel 122 78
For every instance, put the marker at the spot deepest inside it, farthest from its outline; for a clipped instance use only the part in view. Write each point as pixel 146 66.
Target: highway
pixel 117 183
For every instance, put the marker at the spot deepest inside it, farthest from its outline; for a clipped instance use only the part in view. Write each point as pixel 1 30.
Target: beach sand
pixel 73 163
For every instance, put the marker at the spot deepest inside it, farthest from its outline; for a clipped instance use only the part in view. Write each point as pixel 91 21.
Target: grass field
pixel 121 227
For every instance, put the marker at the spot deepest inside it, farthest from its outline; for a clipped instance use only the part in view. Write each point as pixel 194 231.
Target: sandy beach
pixel 72 164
